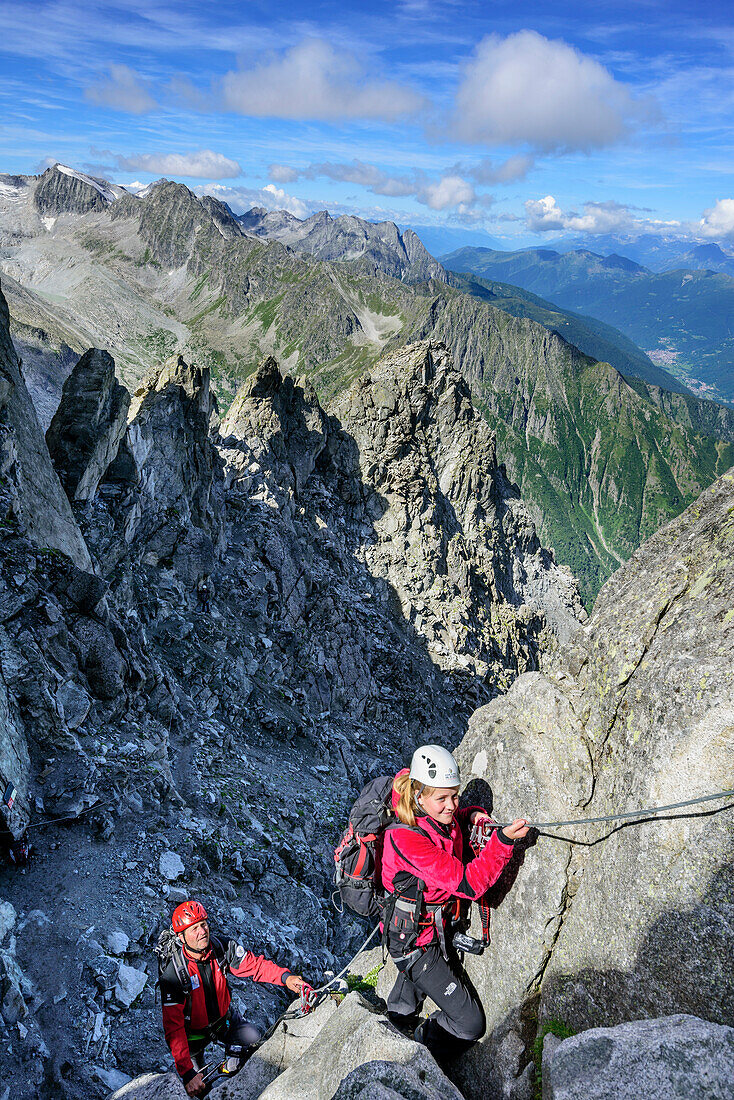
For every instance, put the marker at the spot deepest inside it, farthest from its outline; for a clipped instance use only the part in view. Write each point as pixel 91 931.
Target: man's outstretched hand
pixel 195 1086
pixel 295 983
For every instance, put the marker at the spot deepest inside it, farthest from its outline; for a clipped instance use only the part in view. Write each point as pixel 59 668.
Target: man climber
pixel 195 993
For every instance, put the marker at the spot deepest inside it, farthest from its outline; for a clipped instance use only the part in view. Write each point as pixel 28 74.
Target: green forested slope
pixel 683 316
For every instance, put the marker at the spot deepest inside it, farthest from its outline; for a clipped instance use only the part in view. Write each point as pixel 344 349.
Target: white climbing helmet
pixel 434 767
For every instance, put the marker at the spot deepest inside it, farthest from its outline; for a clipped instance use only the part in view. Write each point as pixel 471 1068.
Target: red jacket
pixel 210 996
pixel 437 859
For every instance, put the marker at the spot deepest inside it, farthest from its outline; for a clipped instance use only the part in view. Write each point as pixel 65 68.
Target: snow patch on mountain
pixel 109 192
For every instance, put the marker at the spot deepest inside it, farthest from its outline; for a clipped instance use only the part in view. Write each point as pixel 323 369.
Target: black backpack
pixel 358 854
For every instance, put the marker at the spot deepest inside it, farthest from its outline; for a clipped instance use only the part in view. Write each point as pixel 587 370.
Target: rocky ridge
pixel 169 271
pixel 149 276
pixel 638 711
pixel 211 643
pixel 374 246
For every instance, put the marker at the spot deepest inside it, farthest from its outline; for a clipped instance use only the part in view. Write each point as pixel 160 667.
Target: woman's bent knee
pixel 470 1024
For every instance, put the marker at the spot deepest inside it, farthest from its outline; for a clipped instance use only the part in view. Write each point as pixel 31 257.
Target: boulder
pixel 290 1041
pixel 14 989
pixel 152 1086
pixel 7 919
pixel 129 985
pixel 359 1054
pixel 170 865
pixel 15 763
pixel 671 1058
pixel 89 424
pixel 116 941
pixel 74 703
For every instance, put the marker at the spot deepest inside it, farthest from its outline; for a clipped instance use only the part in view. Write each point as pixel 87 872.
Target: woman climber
pixel 423 874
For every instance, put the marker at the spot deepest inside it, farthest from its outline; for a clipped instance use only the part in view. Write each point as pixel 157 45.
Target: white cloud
pixel 241 199
pixel 47 162
pixel 718 220
pixel 314 81
pixel 123 91
pixel 281 200
pixel 507 171
pixel 449 190
pixel 545 215
pixel 203 164
pixel 283 173
pixel 530 90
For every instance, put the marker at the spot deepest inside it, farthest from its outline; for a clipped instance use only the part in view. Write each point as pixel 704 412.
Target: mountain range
pixel 376 246
pixel 601 458
pixel 681 317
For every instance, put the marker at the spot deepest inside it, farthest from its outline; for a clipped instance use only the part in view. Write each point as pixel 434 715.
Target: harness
pixel 405 914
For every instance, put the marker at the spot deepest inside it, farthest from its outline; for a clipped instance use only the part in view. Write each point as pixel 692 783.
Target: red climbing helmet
pixel 186 914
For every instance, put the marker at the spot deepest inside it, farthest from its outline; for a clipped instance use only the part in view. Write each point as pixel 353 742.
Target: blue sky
pixel 522 121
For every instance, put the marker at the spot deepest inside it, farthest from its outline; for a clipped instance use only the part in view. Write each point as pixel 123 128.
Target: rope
pixel 649 812
pixel 296 1013
pixel 342 972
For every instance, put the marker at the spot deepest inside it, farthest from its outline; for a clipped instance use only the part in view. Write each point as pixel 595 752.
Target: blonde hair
pixel 407 788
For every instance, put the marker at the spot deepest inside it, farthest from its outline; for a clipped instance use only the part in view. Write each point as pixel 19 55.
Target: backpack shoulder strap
pixel 182 973
pixel 408 828
pixel 219 950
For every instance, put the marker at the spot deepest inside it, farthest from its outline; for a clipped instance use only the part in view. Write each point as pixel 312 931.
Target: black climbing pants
pixel 459 1021
pixel 236 1034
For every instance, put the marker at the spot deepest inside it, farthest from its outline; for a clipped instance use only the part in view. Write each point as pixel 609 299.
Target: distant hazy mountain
pixel 439 239
pixel 376 246
pixel 681 318
pixel 602 461
pixel 651 250
pixel 710 257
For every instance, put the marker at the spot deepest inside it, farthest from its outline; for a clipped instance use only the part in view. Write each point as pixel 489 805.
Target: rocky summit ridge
pixel 374 246
pixel 601 458
pixel 211 635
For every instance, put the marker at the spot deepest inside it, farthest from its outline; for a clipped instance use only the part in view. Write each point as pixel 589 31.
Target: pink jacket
pixel 437 859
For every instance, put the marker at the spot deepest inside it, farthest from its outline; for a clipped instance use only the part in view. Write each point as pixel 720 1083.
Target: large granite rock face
pixel 89 424
pixel 672 1058
pixel 345 1053
pixel 639 711
pixel 40 501
pixel 152 1086
pixel 167 476
pixel 478 581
